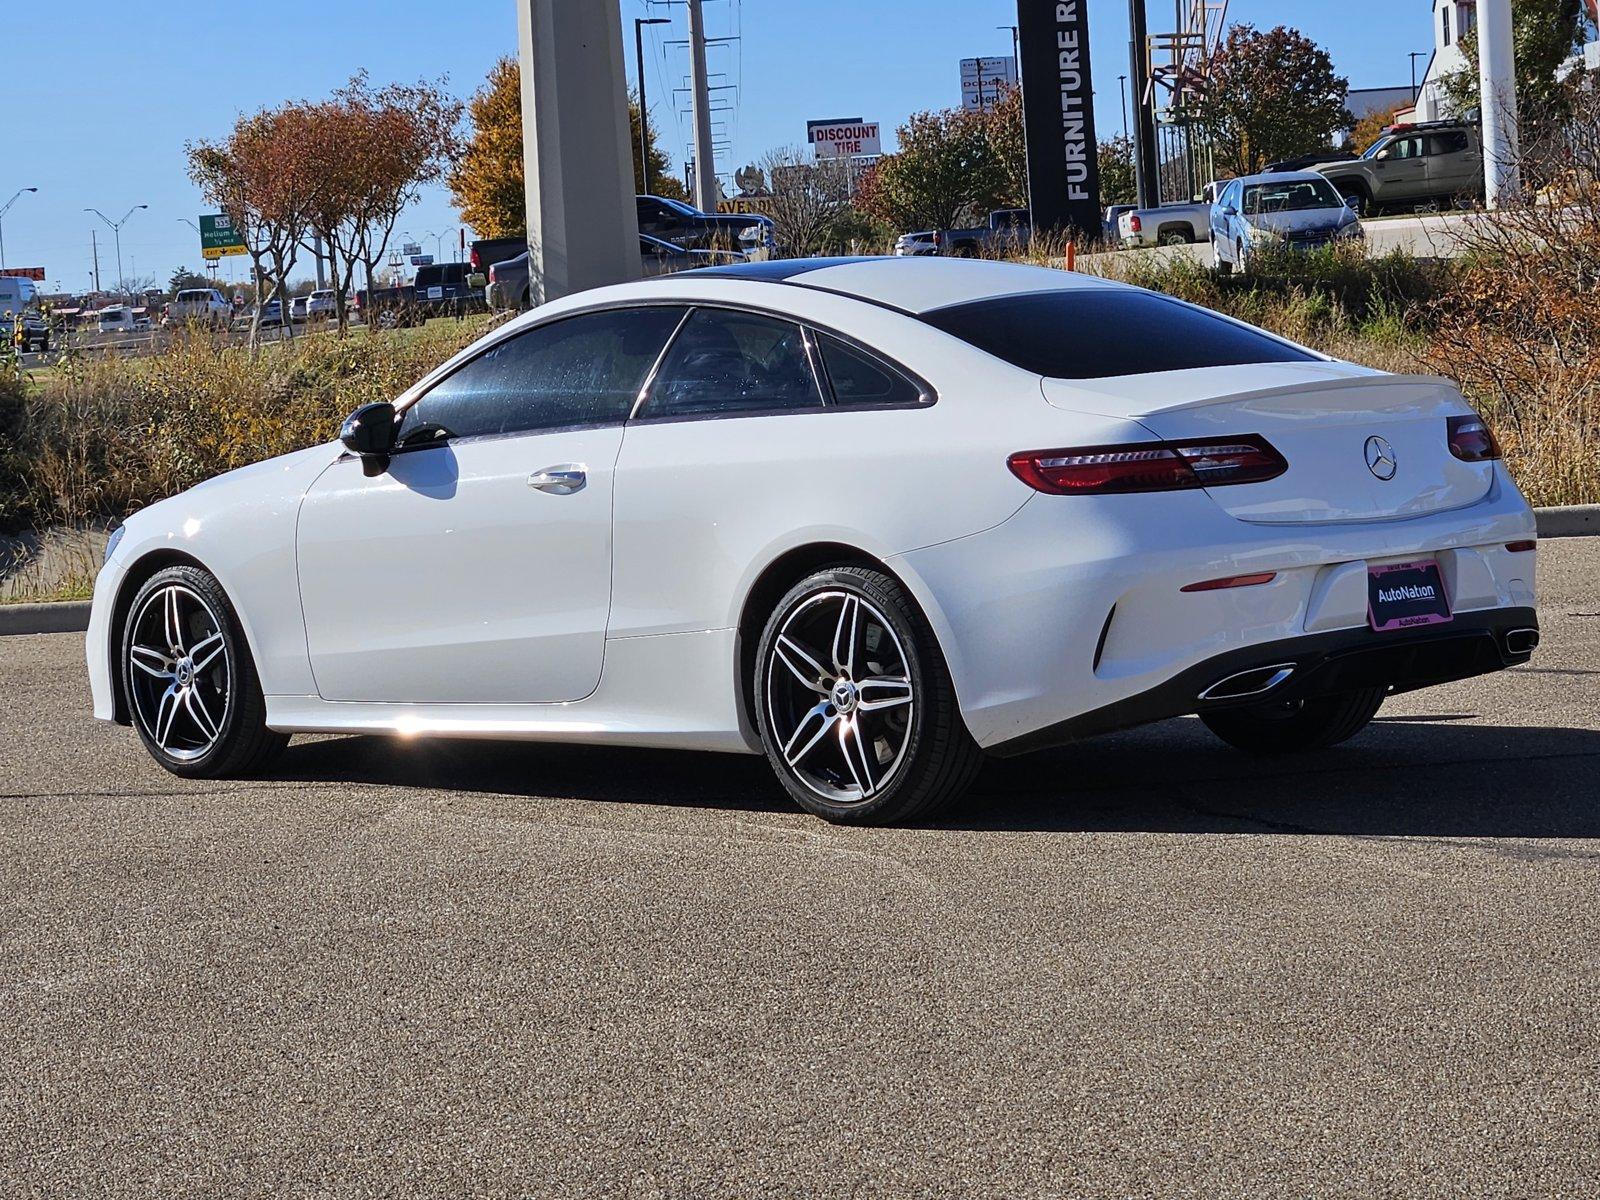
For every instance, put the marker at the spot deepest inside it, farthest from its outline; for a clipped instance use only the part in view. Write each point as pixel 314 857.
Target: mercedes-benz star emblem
pixel 1380 457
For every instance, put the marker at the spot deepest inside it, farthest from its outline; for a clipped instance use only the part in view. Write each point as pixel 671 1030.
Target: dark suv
pixel 674 221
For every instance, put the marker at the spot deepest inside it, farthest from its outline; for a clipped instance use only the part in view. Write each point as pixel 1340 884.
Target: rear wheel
pixel 855 704
pixel 1290 726
pixel 1175 237
pixel 189 681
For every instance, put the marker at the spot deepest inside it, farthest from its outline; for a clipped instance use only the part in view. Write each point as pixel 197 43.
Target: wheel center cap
pixel 184 672
pixel 843 696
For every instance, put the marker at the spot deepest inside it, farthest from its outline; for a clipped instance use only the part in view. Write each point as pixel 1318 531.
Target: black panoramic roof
pixel 776 270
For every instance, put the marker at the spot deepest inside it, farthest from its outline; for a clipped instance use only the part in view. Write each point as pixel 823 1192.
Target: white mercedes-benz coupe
pixel 874 518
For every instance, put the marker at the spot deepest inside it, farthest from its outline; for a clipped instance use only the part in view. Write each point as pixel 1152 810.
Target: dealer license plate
pixel 1405 595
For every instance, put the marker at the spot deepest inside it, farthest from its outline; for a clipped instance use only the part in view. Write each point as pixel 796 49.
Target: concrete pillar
pixel 583 227
pixel 1497 89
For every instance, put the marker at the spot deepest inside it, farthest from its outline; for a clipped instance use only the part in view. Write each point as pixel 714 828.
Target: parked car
pixel 1170 224
pixel 272 314
pixel 674 221
pixel 1108 224
pixel 445 289
pixel 1434 162
pixel 609 521
pixel 1299 210
pixel 322 305
pixel 298 308
pixel 488 251
pixel 1007 227
pixel 387 307
pixel 20 315
pixel 199 306
pixel 1301 162
pixel 659 257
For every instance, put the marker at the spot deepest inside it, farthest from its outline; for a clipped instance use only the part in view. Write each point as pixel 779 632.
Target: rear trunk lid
pixel 1342 429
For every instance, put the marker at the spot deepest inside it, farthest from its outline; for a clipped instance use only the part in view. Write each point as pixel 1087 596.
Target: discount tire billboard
pixel 1058 115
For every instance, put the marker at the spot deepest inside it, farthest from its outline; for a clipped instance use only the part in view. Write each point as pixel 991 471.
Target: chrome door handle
pixel 560 480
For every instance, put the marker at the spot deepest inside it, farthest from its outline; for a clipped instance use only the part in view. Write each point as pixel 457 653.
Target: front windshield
pixel 1372 150
pixel 1290 196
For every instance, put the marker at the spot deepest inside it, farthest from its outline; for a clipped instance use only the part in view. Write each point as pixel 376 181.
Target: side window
pixel 734 362
pixel 582 370
pixel 859 378
pixel 1408 147
pixel 1447 143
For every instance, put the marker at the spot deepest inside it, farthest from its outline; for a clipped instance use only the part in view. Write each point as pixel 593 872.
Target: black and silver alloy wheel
pixel 188 679
pixel 839 697
pixel 854 702
pixel 179 675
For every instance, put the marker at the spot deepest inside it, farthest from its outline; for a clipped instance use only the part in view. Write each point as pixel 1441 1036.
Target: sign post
pixel 1058 115
pixel 218 237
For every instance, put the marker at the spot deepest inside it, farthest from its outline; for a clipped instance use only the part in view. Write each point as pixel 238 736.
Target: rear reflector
pixel 1521 547
pixel 1230 581
pixel 1148 466
pixel 1471 440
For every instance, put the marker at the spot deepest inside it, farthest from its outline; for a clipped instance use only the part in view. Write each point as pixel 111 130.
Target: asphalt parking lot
pixel 1142 966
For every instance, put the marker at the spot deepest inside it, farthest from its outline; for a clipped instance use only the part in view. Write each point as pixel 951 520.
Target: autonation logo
pixel 1409 591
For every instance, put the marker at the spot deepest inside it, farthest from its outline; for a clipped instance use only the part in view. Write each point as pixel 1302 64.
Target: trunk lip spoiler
pixel 1053 390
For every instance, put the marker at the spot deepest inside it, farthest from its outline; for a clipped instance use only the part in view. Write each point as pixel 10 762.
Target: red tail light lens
pixel 1471 440
pixel 1148 466
pixel 1230 581
pixel 473 260
pixel 1134 223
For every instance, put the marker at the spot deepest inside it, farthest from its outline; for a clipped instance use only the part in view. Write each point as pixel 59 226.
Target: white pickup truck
pixel 1169 225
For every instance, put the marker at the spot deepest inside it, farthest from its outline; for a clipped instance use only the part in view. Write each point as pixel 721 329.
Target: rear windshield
pixel 1093 333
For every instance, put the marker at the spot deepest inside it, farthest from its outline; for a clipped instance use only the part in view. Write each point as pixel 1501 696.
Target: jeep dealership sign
pixel 1058 115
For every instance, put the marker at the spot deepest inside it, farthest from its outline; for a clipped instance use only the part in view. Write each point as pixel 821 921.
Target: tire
pixel 1223 266
pixel 1298 725
pixel 1175 237
pixel 190 684
pixel 813 676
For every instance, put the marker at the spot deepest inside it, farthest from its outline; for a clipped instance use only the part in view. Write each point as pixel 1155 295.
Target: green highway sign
pixel 218 236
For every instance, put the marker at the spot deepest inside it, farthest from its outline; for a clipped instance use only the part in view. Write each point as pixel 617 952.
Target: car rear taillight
pixel 473 259
pixel 1230 581
pixel 1134 223
pixel 1148 466
pixel 1471 440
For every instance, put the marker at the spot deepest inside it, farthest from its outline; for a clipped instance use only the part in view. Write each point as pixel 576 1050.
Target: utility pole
pixel 94 249
pixel 1413 56
pixel 1497 92
pixel 644 109
pixel 705 168
pixel 1147 180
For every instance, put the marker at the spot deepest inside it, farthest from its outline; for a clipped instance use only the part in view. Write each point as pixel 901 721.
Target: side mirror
pixel 1381 156
pixel 1353 203
pixel 369 432
pixel 1227 210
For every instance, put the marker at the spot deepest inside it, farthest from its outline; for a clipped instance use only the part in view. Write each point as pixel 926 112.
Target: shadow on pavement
pixel 1409 776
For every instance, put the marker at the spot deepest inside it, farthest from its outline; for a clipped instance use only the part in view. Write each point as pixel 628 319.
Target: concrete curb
pixel 1569 520
pixel 70 616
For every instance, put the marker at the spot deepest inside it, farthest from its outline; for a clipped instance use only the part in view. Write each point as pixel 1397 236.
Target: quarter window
pixel 579 371
pixel 734 362
pixel 859 378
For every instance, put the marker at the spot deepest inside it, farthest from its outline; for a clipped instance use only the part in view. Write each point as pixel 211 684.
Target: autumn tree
pixel 487 180
pixel 257 175
pixel 945 173
pixel 810 201
pixel 367 154
pixel 1370 127
pixel 1117 180
pixel 1271 95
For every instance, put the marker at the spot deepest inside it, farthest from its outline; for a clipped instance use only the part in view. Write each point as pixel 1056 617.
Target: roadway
pixel 1143 966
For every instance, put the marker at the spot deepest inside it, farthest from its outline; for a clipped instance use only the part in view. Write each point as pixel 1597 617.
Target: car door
pixel 1402 171
pixel 1222 222
pixel 477 568
pixel 1453 164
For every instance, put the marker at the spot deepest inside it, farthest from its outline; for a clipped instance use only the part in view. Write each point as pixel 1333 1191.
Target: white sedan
pixel 873 518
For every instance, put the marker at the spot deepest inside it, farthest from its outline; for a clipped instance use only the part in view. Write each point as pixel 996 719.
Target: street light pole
pixel 116 230
pixel 1413 56
pixel 1122 90
pixel 3 212
pixel 644 109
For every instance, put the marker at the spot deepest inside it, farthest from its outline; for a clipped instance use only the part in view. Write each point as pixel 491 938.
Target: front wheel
pixel 189 681
pixel 1223 266
pixel 855 705
pixel 1291 726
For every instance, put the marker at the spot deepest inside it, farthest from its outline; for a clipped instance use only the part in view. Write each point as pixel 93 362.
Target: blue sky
pixel 111 92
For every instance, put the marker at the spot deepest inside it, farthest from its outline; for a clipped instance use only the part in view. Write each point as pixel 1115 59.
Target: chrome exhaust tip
pixel 1257 681
pixel 1522 641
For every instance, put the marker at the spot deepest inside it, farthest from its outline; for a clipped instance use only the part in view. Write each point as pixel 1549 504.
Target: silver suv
pixel 1431 162
pixel 199 306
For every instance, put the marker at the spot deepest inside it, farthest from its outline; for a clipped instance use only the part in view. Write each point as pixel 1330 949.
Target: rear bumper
pixel 1317 665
